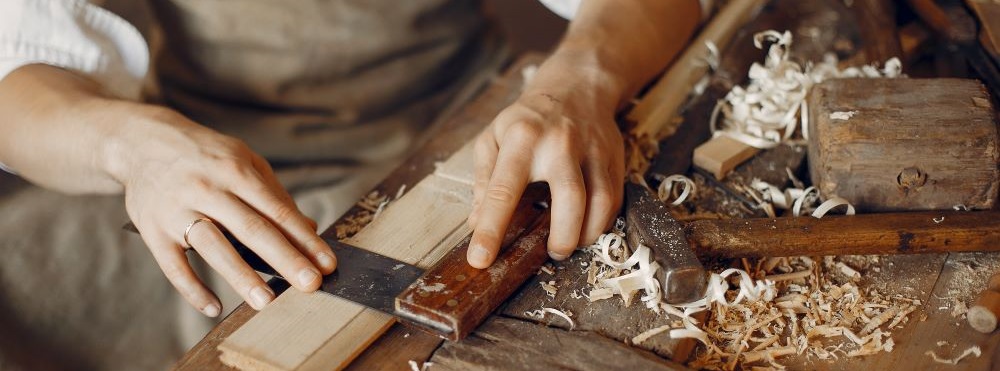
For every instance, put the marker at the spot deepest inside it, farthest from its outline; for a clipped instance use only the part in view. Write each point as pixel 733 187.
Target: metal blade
pixel 649 223
pixel 362 276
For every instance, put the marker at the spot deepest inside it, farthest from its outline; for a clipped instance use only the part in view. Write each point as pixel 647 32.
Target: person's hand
pixel 175 171
pixel 561 131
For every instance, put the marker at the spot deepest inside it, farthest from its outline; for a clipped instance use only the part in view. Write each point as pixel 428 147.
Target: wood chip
pixel 974 350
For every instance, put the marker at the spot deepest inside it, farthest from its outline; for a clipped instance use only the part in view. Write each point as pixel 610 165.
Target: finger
pixel 499 201
pixel 272 201
pixel 266 240
pixel 174 264
pixel 212 245
pixel 485 159
pixel 569 200
pixel 602 201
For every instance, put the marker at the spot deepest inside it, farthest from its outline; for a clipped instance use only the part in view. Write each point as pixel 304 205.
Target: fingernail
pixel 307 276
pixel 557 256
pixel 326 260
pixel 211 310
pixel 478 255
pixel 261 296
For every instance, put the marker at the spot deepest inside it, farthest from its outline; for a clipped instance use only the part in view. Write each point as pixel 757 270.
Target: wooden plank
pixel 870 137
pixel 665 99
pixel 395 349
pixel 509 344
pixel 721 155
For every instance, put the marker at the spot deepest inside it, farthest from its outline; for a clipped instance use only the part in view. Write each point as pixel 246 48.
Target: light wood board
pixel 316 331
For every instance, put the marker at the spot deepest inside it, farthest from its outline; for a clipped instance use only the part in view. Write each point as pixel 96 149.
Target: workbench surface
pixel 512 338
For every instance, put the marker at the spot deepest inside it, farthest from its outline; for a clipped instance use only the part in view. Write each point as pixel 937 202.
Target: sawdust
pixel 367 209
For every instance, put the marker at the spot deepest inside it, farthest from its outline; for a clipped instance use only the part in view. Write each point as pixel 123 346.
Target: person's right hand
pixel 175 171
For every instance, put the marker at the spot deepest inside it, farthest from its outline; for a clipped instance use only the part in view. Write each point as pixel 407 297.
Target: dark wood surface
pixel 452 298
pixel 864 234
pixel 510 344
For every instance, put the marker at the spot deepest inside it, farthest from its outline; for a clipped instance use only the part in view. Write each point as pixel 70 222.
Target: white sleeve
pixel 77 35
pixel 567 8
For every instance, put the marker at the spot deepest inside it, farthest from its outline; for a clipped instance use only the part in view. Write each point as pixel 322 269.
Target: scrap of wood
pixel 722 154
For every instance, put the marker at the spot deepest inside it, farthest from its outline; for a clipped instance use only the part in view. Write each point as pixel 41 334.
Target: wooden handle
pixel 983 315
pixel 893 233
pixel 452 298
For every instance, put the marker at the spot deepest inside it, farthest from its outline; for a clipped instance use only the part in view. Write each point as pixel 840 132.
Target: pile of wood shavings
pixel 766 111
pixel 789 306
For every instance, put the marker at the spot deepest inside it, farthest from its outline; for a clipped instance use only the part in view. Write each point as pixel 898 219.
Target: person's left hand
pixel 561 131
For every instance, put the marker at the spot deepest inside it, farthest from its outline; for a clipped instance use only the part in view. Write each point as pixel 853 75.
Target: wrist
pixel 574 74
pixel 121 129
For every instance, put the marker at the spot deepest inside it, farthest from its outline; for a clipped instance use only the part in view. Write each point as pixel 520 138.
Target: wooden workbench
pixel 512 339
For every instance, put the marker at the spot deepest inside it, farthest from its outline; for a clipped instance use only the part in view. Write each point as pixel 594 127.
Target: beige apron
pixel 333 92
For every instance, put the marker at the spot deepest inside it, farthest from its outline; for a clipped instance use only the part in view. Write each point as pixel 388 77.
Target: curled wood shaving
pixel 666 190
pixel 540 314
pixel 974 350
pixel 423 367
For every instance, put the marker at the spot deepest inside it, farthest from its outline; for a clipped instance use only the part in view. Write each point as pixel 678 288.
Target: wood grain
pixel 395 349
pixel 866 234
pixel 908 144
pixel 452 297
pixel 509 344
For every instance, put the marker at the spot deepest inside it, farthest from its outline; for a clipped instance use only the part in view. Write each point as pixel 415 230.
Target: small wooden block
pixel 904 144
pixel 721 155
pixel 983 316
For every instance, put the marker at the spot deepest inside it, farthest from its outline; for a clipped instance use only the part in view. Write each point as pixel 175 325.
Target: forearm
pixel 615 47
pixel 56 129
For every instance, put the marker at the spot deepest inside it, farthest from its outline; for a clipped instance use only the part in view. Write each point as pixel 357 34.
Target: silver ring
pixel 188 231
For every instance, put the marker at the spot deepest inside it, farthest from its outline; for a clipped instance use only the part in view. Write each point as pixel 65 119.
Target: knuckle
pixel 524 131
pixel 283 214
pixel 175 274
pixel 255 226
pixel 500 193
pixel 603 200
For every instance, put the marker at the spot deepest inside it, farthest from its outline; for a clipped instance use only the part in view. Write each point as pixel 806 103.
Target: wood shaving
pixel 423 367
pixel 842 115
pixel 974 350
pixel 550 288
pixel 800 310
pixel 547 269
pixel 667 191
pixel 367 209
pixel 540 314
